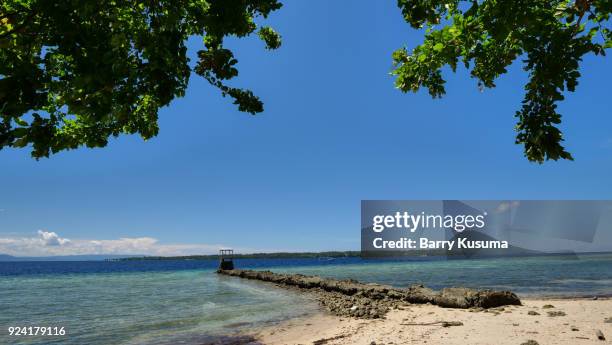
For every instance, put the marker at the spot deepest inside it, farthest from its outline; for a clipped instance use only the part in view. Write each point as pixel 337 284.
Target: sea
pixel 163 302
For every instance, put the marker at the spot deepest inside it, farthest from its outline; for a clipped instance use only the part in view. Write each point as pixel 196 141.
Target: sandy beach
pixel 568 321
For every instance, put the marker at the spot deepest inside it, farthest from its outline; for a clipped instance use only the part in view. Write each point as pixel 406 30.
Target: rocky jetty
pixel 352 298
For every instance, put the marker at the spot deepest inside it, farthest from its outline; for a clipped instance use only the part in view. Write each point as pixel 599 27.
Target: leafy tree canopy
pixel 550 36
pixel 75 73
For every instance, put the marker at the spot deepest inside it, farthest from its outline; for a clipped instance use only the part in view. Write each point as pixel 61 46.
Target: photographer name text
pixel 410 223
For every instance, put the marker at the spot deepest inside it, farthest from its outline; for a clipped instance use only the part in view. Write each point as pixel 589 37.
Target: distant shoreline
pixel 279 255
pixel 328 255
pixel 356 254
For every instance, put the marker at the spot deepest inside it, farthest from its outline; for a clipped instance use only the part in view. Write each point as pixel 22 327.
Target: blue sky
pixel 335 131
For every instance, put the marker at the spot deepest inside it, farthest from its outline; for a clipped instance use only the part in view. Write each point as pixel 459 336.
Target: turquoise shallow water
pixel 180 307
pixel 166 302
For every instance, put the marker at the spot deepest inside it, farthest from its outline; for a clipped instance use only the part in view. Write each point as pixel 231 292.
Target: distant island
pixel 455 254
pixel 279 255
pixel 349 254
pixel 85 257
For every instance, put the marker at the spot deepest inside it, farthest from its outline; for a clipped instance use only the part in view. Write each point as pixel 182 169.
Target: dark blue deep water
pixel 18 268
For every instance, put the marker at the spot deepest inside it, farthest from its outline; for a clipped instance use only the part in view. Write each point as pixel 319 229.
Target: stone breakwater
pixel 352 298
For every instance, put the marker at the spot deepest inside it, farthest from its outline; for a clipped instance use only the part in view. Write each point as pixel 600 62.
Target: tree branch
pixel 583 6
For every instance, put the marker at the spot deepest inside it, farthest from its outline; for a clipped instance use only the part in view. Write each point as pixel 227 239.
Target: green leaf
pixel 92 71
pixel 489 35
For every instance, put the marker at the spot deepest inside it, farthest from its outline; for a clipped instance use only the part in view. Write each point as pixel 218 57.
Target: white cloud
pixel 49 243
pixel 51 239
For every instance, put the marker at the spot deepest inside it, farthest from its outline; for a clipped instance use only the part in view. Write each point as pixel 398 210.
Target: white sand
pixel 511 326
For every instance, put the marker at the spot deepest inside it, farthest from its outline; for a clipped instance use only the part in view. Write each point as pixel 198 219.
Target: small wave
pixel 582 281
pixel 209 304
pixel 237 325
